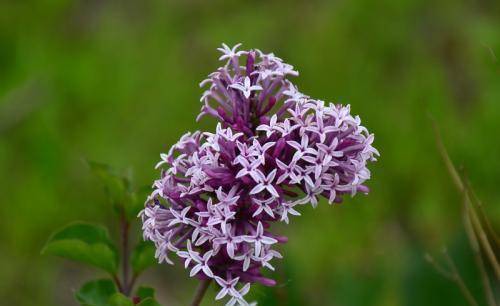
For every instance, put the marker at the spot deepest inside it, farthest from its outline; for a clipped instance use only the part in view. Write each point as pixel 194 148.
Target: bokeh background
pixel 117 82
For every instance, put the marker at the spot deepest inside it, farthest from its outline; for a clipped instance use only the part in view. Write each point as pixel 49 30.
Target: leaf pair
pixel 103 292
pixel 90 244
pixel 85 243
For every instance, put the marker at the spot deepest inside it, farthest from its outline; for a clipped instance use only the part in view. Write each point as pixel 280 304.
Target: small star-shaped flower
pixel 302 147
pixel 228 239
pixel 263 206
pixel 229 53
pixel 246 88
pixel 228 287
pixel 249 167
pixel 287 208
pixel 238 300
pixel 258 239
pixel 265 182
pixel 202 264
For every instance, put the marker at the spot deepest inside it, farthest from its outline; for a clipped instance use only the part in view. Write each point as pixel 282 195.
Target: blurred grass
pixel 116 81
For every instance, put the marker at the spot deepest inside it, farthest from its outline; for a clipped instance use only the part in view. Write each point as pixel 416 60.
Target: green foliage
pixel 149 302
pixel 143 256
pixel 90 244
pixel 145 292
pixel 119 189
pixel 96 293
pixel 85 243
pixel 136 204
pixel 103 292
pixel 114 185
pixel 119 299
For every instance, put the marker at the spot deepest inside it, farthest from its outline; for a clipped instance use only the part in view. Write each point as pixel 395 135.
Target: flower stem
pixel 200 292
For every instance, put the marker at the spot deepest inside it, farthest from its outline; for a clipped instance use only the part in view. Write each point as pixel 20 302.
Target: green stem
pixel 200 292
pixel 125 226
pixel 117 282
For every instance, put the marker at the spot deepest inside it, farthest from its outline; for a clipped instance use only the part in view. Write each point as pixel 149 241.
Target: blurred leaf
pixel 147 296
pixel 145 292
pixel 135 201
pixel 86 243
pixel 96 293
pixel 149 302
pixel 119 299
pixel 143 256
pixel 116 187
pixel 119 189
pixel 132 204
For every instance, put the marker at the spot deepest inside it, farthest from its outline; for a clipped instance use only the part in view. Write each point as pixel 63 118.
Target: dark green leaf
pixel 116 187
pixel 119 190
pixel 147 296
pixel 119 299
pixel 96 293
pixel 135 202
pixel 143 256
pixel 145 292
pixel 86 243
pixel 149 302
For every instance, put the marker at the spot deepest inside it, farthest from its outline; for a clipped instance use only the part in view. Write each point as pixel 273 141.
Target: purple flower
pixel 273 150
pixel 246 88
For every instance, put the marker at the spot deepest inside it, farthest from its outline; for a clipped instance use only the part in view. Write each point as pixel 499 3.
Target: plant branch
pixel 459 281
pixel 453 275
pixel 117 282
pixel 488 292
pixel 132 281
pixel 439 269
pixel 125 227
pixel 200 292
pixel 483 239
pixel 477 203
pixel 462 187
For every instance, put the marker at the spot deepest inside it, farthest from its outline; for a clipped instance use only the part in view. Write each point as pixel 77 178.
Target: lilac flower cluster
pixel 273 150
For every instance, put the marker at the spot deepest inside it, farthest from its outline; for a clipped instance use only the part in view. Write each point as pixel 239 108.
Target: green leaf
pixel 145 292
pixel 85 243
pixel 134 202
pixel 119 299
pixel 96 293
pixel 149 302
pixel 147 296
pixel 119 190
pixel 115 186
pixel 143 256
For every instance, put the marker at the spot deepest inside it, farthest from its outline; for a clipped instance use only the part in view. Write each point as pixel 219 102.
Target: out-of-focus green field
pixel 117 82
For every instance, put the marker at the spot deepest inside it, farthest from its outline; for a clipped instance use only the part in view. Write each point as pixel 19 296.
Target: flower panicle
pixel 273 150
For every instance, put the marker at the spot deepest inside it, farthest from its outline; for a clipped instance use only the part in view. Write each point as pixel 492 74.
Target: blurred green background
pixel 117 82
